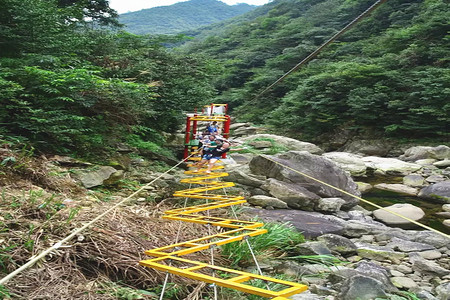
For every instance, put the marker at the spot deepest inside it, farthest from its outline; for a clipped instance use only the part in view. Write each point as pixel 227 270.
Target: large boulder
pixel 422 152
pixel 243 176
pixel 368 147
pixel 312 166
pixel 439 192
pixel 288 143
pixel 293 194
pixel 311 224
pixel 349 162
pixel 404 209
pixel 390 166
pixel 100 176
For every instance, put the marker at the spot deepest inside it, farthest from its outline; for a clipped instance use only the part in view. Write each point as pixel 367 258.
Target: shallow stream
pixel 385 198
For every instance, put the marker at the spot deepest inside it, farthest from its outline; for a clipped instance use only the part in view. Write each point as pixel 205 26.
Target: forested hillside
pixel 70 85
pixel 181 16
pixel 389 75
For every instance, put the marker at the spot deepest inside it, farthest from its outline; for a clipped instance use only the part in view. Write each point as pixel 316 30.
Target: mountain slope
pixel 389 75
pixel 181 16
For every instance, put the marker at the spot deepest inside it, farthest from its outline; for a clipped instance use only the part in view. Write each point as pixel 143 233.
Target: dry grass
pixel 34 214
pixel 111 249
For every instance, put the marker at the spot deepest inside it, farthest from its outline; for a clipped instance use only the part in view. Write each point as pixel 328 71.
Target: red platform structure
pixel 210 113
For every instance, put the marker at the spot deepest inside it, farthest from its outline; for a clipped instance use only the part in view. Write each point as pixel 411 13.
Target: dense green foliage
pixel 181 16
pixel 389 75
pixel 70 85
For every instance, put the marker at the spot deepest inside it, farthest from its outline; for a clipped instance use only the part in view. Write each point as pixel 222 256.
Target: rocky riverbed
pixel 379 258
pixel 382 258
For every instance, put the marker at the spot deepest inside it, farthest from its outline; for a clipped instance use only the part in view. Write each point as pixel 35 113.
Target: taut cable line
pixel 324 45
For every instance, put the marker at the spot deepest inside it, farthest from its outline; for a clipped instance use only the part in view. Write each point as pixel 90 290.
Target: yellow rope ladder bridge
pixel 169 258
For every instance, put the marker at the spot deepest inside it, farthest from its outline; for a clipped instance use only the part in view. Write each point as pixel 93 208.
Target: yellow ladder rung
pixel 240 279
pixel 291 287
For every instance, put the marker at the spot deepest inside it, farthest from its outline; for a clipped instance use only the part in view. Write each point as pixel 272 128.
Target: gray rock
pixel 446 223
pixel 242 159
pixel 443 214
pixel 406 209
pixel 311 224
pixel 329 204
pixel 356 229
pixel 235 126
pixel 338 244
pixel 377 272
pixel 307 295
pixel 379 253
pixel 356 215
pixel 425 162
pixel 260 144
pixel 368 147
pixel 442 164
pixel 403 282
pixel 443 291
pixel 96 177
pixel 425 266
pixel 265 201
pixel 422 152
pixel 425 295
pixel 396 273
pixel 446 207
pixel 408 246
pixel 397 188
pixel 361 287
pixel 247 131
pixel 429 237
pixel 291 144
pixel 361 209
pixel 404 269
pixel 430 254
pixel 439 192
pixel 258 191
pixel 313 248
pixel 414 180
pixel 351 163
pixel 293 194
pixel 312 165
pixel 435 178
pixel 390 166
pixel 364 187
pixel 317 268
pixel 446 172
pixel 242 175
